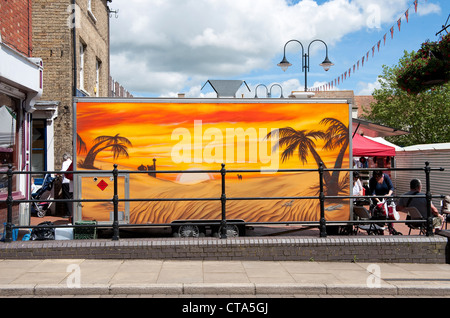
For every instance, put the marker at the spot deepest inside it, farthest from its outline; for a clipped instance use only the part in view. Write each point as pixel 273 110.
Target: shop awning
pixel 374 130
pixel 364 147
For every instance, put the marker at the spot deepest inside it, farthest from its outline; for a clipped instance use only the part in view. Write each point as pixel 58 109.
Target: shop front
pixel 20 87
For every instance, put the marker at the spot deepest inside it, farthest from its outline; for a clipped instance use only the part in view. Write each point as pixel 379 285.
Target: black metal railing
pixel 321 224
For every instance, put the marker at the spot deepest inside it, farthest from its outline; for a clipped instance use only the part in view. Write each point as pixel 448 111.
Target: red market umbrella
pixel 364 147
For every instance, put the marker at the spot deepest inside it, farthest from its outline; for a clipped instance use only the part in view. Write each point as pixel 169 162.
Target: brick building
pixel 15 26
pixel 359 102
pixel 21 75
pixel 57 38
pixel 117 90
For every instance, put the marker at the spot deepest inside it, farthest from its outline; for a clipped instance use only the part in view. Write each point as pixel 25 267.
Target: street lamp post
pixel 326 64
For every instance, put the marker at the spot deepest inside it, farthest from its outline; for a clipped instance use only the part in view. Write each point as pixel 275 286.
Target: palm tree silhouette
pixel 117 145
pixel 300 140
pixel 336 136
pixel 303 141
pixel 81 145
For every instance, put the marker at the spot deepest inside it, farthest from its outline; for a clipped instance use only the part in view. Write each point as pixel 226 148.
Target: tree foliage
pixel 425 115
pixel 426 68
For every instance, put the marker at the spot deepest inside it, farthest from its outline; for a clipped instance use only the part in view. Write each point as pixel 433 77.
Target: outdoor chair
pixel 414 214
pixel 371 228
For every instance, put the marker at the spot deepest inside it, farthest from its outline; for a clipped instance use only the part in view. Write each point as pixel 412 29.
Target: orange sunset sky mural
pixel 201 136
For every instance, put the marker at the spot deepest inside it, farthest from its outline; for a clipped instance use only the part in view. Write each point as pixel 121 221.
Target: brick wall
pixel 389 249
pixel 53 43
pixel 94 34
pixel 15 25
pixel 117 90
pixel 52 38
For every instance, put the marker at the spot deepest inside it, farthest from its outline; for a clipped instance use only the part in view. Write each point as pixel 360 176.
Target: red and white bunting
pixel 365 58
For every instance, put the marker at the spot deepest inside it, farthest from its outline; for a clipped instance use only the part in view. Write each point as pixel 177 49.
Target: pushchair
pixel 383 211
pixel 43 194
pixel 362 214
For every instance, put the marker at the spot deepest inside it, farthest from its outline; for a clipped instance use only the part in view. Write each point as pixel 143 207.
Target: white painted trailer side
pixel 438 155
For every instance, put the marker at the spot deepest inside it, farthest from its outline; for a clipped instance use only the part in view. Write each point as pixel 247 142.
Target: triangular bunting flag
pixel 365 58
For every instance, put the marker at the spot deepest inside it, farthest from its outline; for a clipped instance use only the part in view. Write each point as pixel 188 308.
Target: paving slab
pixel 86 277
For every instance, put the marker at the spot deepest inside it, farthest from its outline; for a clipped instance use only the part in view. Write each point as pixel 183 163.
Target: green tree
pixel 425 115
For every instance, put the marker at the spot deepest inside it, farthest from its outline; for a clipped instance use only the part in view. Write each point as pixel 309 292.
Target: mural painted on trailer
pixel 201 136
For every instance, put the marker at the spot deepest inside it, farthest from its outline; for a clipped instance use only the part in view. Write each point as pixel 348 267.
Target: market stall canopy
pixel 383 141
pixel 374 130
pixel 364 147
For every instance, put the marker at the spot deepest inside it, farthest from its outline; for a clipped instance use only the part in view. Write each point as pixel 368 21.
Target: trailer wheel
pixel 189 230
pixel 231 230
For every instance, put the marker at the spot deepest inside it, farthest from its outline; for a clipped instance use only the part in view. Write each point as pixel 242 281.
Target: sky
pixel 160 48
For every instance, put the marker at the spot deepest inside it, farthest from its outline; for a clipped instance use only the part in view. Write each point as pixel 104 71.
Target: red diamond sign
pixel 102 185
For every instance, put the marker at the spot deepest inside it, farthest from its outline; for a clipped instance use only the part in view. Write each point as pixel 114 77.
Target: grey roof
pixel 226 88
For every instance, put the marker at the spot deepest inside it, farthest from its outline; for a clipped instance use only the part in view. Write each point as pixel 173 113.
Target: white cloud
pixel 367 88
pixel 428 8
pixel 164 46
pixel 321 85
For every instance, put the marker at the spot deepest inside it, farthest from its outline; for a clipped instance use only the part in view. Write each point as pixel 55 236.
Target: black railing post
pixel 116 206
pixel 428 197
pixel 323 222
pixel 9 203
pixel 223 200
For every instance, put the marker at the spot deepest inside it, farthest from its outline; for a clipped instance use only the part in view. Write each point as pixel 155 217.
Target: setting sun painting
pixel 186 136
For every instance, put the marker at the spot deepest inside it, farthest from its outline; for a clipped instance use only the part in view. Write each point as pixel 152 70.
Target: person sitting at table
pixel 420 203
pixel 357 185
pixel 381 185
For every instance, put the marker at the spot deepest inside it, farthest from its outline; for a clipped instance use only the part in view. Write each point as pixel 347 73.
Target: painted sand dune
pixel 287 185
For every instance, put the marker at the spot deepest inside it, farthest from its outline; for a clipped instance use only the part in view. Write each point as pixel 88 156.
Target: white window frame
pixel 82 51
pixel 89 9
pixel 98 64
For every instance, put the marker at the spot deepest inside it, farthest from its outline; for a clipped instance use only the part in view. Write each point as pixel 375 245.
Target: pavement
pixel 97 278
pixel 177 279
